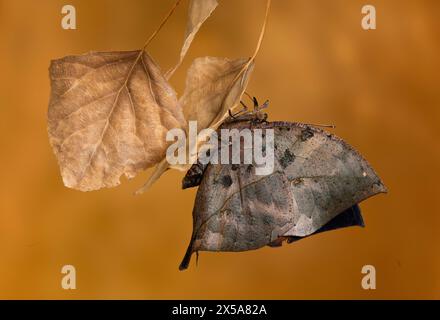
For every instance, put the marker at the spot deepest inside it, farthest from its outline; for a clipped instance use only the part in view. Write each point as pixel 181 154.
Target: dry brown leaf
pixel 213 87
pixel 198 12
pixel 108 115
pixel 209 92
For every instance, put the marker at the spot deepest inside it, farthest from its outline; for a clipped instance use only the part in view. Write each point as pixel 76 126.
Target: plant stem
pixel 164 21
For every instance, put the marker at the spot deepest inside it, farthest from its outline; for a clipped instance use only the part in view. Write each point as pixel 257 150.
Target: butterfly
pixel 316 185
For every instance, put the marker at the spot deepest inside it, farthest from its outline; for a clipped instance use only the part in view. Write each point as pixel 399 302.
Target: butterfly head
pixel 256 114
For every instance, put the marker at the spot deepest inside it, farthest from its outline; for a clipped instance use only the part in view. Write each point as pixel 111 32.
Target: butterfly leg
pixel 260 117
pixel 244 110
pixel 235 115
pixel 256 104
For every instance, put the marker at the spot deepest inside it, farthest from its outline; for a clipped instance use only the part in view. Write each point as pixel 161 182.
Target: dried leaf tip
pixel 199 11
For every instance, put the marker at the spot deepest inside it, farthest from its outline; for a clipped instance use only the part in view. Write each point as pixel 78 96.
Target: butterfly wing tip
pixel 185 184
pixel 381 188
pixel 183 267
pixel 186 259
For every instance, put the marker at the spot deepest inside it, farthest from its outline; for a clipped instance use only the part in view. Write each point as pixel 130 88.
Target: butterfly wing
pixel 326 175
pixel 348 218
pixel 316 177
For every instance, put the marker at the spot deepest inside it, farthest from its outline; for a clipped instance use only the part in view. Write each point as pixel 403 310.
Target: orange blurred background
pixel 317 65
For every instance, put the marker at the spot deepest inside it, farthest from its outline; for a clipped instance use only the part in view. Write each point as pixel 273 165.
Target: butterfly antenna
pixel 264 105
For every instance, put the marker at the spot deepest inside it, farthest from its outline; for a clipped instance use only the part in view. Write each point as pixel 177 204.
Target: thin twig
pixel 260 41
pixel 141 52
pixel 170 13
pixel 245 68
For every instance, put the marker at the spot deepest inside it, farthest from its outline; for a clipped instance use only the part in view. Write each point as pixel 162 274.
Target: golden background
pixel 317 65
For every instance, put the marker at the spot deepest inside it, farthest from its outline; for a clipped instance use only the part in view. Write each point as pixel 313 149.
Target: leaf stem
pixel 260 41
pixel 164 21
pixel 245 68
pixel 141 52
pixel 263 30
